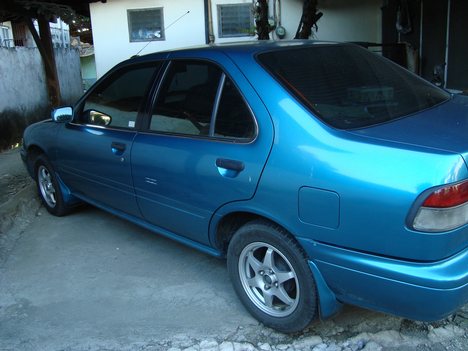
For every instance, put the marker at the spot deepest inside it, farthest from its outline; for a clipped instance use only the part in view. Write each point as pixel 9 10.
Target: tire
pixel 271 276
pixel 48 188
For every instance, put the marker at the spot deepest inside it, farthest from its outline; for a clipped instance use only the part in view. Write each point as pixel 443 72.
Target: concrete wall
pixel 23 91
pixel 88 70
pixel 23 85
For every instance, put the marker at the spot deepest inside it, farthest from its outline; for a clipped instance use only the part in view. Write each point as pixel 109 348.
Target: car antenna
pixel 164 31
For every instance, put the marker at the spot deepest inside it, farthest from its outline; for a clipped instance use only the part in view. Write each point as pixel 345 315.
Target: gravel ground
pixel 352 330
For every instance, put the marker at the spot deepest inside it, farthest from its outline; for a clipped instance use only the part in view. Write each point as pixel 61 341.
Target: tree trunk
pixel 261 20
pixel 309 18
pixel 46 49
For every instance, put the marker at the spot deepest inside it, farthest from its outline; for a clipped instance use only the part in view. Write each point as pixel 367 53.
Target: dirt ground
pixel 354 329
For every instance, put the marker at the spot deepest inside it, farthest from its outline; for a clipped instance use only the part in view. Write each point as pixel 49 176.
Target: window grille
pixel 235 20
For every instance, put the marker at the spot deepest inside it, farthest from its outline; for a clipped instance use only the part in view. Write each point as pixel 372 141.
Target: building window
pixel 4 37
pixel 145 24
pixel 235 20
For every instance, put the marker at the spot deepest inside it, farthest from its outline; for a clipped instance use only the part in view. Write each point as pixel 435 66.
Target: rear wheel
pixel 48 188
pixel 271 276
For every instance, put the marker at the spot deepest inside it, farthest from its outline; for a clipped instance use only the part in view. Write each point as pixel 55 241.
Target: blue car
pixel 324 173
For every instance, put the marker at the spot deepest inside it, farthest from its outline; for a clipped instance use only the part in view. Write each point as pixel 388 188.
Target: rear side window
pixel 185 102
pixel 116 101
pixel 350 87
pixel 233 118
pixel 197 98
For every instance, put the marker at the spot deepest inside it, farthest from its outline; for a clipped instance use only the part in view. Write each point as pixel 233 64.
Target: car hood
pixel 444 127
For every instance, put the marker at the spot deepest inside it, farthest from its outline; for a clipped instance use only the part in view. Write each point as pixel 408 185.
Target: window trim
pixel 230 140
pixel 220 22
pixel 218 95
pixel 161 14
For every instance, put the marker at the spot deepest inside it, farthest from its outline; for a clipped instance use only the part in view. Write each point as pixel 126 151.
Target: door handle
pixel 118 148
pixel 232 165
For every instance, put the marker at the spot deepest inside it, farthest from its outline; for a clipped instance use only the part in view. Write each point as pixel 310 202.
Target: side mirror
pixel 97 118
pixel 62 114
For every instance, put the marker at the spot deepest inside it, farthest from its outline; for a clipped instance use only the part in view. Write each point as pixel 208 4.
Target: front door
pixel 96 164
pixel 202 149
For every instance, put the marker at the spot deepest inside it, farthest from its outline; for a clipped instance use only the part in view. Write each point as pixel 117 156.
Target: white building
pixel 123 28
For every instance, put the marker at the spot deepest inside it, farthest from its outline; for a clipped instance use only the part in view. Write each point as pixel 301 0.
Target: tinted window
pixel 185 102
pixel 234 119
pixel 116 101
pixel 188 103
pixel 349 87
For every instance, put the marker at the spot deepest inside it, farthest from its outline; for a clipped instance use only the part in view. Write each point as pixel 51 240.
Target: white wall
pixel 350 20
pixel 110 29
pixel 343 20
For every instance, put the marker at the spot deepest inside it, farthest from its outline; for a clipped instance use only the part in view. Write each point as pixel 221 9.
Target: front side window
pixel 349 87
pixel 196 98
pixel 146 24
pixel 116 101
pixel 235 20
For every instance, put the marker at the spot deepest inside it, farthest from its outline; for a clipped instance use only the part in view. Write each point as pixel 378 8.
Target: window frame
pixel 220 21
pixel 130 25
pixel 210 137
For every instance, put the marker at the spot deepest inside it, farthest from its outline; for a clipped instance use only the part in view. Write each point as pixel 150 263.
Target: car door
pixel 94 150
pixel 206 145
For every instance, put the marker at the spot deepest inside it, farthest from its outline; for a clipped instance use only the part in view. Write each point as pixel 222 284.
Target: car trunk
pixel 444 127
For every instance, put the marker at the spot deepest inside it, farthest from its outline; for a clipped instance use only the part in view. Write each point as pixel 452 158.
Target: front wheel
pixel 271 276
pixel 48 188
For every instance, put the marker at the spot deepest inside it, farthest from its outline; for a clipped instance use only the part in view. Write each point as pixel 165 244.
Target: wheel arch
pixel 34 152
pixel 228 223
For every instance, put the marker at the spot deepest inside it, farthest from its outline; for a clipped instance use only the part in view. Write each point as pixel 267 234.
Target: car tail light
pixel 444 209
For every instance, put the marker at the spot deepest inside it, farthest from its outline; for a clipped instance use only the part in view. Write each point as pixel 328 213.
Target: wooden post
pixel 46 49
pixel 261 20
pixel 309 18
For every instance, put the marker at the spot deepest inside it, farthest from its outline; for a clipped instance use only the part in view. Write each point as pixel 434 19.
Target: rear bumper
pixel 419 291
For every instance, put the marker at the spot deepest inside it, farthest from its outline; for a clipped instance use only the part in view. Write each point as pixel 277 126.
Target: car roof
pixel 249 47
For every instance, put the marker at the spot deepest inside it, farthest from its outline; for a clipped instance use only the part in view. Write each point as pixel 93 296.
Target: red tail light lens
pixel 450 196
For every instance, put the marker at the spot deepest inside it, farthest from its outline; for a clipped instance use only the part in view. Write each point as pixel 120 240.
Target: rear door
pixel 94 151
pixel 206 144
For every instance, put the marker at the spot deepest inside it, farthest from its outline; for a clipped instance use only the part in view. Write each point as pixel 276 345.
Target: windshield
pixel 348 86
